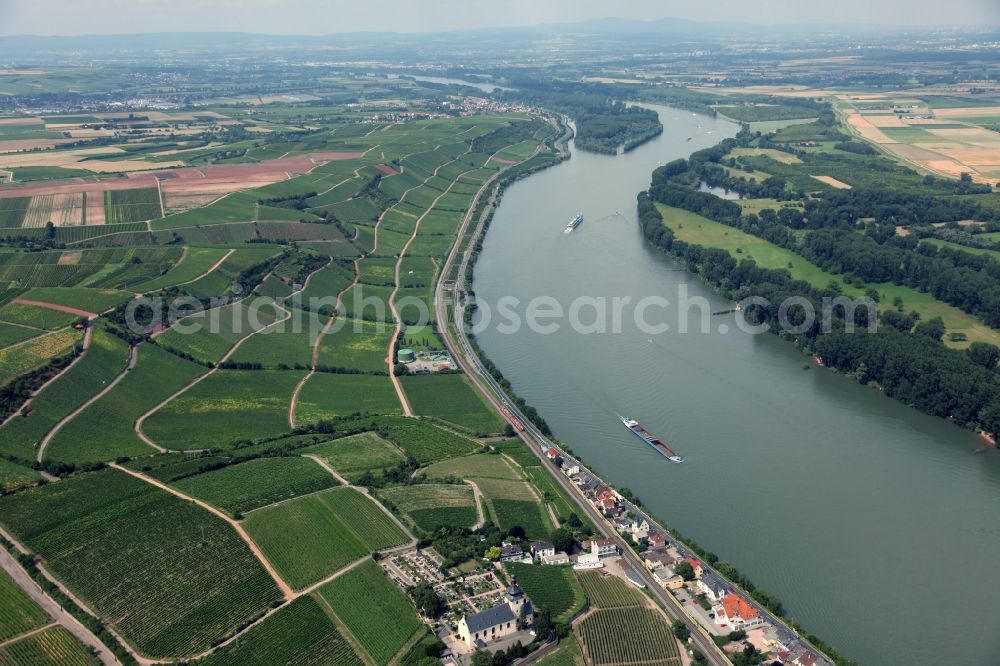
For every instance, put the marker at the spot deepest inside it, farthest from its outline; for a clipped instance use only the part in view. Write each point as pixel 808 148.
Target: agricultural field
pixel 196 262
pixel 246 486
pixel 328 395
pixel 452 398
pixel 91 300
pixel 354 455
pixel 14 476
pixel 18 613
pixel 355 344
pixel 374 610
pixel 20 359
pixel 300 633
pixel 229 405
pixel 207 335
pixel 169 576
pixel 609 591
pixel 309 538
pixel 528 514
pixel 52 647
pixel 287 345
pixel 132 205
pixel 426 441
pixel 104 430
pixel 104 359
pixel 627 636
pixel 550 588
pixel 483 465
pixel 12 334
pixel 36 316
pixel 432 505
pixel 12 211
pixel 120 545
pixel 567 654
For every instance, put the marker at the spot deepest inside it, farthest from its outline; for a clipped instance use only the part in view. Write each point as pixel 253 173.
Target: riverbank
pixel 750 480
pixel 768 606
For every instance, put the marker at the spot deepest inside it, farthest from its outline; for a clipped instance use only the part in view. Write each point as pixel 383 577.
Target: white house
pixel 588 561
pixel 555 558
pixel 714 587
pixel 603 547
pixel 542 548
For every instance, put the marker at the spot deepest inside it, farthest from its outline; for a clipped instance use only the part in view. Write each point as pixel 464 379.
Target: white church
pixel 495 623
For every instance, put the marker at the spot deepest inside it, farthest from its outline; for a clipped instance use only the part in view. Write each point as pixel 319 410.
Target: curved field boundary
pixel 286 590
pixel 197 380
pixel 319 338
pixel 27 403
pixel 364 491
pixel 56 611
pixel 226 357
pixel 211 270
pixel 400 393
pixel 133 356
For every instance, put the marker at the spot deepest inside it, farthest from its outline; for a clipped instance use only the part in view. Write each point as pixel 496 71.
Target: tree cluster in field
pixel 14 394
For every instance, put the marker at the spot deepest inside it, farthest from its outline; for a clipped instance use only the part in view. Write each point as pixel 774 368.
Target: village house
pixel 511 552
pixel 603 547
pixel 551 453
pixel 695 565
pixel 807 658
pixel 570 467
pixel 654 558
pixel 713 586
pixel 542 548
pixel 737 612
pixel 667 578
pixel 588 560
pixel 656 540
pixel 586 483
pixel 492 624
pixel 555 558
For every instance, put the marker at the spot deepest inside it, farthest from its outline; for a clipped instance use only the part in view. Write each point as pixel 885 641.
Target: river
pixel 876 525
pixel 485 86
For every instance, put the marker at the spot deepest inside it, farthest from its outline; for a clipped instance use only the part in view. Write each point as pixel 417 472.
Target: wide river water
pixel 878 526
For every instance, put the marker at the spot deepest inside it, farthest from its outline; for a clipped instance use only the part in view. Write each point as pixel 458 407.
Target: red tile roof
pixel 734 605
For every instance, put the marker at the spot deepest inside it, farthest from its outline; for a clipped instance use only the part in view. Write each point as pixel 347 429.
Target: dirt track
pixel 57 308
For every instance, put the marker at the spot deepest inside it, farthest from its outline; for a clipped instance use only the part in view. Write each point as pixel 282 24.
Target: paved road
pixel 466 358
pixel 55 611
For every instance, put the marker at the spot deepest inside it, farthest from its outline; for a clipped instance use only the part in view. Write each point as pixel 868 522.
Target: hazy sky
pixel 65 17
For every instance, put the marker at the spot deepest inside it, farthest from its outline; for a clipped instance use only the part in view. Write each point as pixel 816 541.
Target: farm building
pixel 497 622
